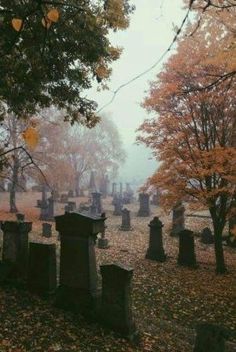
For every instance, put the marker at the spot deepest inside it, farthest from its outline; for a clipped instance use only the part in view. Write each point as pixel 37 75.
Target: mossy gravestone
pixel 156 250
pixel 144 207
pixel 187 255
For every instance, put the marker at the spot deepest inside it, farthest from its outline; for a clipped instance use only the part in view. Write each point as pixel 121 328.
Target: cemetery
pixel 146 290
pixel 117 176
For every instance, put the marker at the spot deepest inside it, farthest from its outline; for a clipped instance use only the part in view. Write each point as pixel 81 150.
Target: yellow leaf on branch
pixel 31 137
pixel 53 15
pixel 17 24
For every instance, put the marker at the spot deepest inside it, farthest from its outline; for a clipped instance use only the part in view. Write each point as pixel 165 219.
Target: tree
pixel 76 150
pixel 193 130
pixel 52 50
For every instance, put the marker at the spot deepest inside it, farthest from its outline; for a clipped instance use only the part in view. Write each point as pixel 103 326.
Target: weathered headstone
pixel 117 202
pixel 46 230
pixel 78 272
pixel 102 241
pixel 144 209
pixel 114 190
pixel 116 310
pixel 156 250
pixel 15 246
pixel 178 221
pixel 207 236
pixel 210 338
pixel 96 203
pixel 125 226
pixel 42 274
pixel 186 255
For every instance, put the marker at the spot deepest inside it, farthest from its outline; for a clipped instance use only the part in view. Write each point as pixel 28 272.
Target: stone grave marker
pixel 207 236
pixel 117 202
pixel 186 255
pixel 116 310
pixel 15 247
pixel 78 272
pixel 42 271
pixel 96 207
pixel 178 220
pixel 46 230
pixel 125 226
pixel 155 250
pixel 102 241
pixel 144 209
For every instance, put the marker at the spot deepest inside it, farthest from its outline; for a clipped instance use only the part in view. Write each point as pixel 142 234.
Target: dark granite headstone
pixel 15 247
pixel 207 236
pixel 156 250
pixel 144 209
pixel 116 310
pixel 186 255
pixel 96 203
pixel 102 241
pixel 210 338
pixel 42 274
pixel 78 272
pixel 178 221
pixel 125 226
pixel 47 230
pixel 117 202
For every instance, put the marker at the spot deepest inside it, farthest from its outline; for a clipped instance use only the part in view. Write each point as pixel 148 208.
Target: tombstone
pixel 114 191
pixel 64 198
pixel 42 271
pixel 207 236
pixel 186 255
pixel 46 230
pixel 156 250
pixel 117 202
pixel 116 309
pixel 144 209
pixel 125 226
pixel 96 203
pixel 47 210
pixel 210 338
pixel 70 193
pixel 92 184
pixel 15 246
pixel 121 189
pixel 102 241
pixel 20 217
pixel 78 272
pixel 71 206
pixel 178 222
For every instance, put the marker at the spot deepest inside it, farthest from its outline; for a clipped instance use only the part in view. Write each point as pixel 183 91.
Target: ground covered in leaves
pixel 168 300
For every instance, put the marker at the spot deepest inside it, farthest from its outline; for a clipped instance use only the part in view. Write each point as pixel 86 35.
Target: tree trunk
pixel 13 208
pixel 219 252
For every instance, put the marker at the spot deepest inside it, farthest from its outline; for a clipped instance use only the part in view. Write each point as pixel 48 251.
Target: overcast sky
pixel 149 35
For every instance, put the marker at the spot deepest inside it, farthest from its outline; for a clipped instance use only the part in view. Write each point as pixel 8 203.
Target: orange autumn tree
pixel 192 132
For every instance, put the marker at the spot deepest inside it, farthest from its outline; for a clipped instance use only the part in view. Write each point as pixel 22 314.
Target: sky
pixel 148 36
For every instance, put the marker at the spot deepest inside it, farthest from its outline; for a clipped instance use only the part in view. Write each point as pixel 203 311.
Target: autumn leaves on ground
pixel 168 300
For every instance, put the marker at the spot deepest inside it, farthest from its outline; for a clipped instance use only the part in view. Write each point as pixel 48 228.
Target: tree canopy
pixel 52 50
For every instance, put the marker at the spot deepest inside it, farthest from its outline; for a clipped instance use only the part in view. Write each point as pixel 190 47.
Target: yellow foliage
pixel 31 137
pixel 17 24
pixel 53 15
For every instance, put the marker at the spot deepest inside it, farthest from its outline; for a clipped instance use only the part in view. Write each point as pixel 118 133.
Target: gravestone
pixel 71 206
pixel 186 255
pixel 116 310
pixel 114 189
pixel 46 230
pixel 96 207
pixel 144 209
pixel 20 217
pixel 207 236
pixel 102 241
pixel 156 250
pixel 117 202
pixel 78 272
pixel 47 210
pixel 42 272
pixel 210 338
pixel 178 221
pixel 15 247
pixel 125 226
